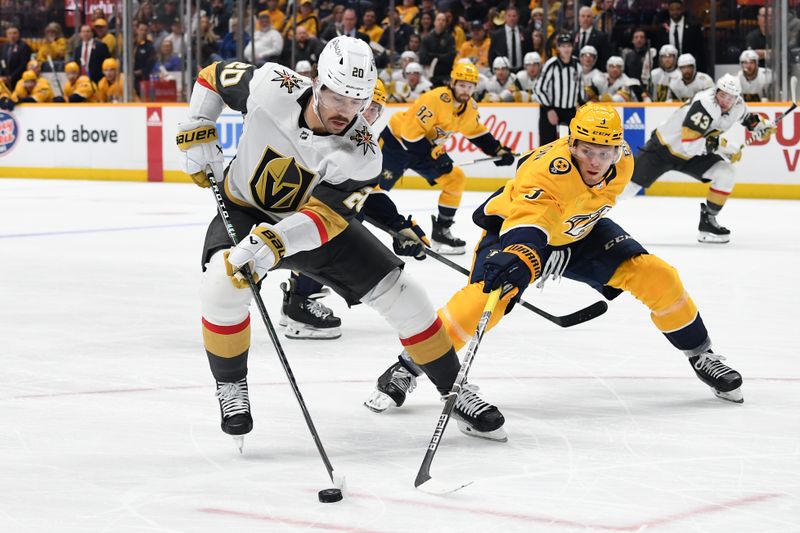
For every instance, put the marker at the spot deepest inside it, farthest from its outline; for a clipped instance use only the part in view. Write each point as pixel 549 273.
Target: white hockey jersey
pixel 402 92
pixel 755 90
pixel 683 92
pixel 618 90
pixel 501 92
pixel 685 131
pixel 660 81
pixel 525 86
pixel 592 82
pixel 305 182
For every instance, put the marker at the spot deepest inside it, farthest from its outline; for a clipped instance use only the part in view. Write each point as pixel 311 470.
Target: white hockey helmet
pixel 748 55
pixel 532 58
pixel 615 61
pixel 500 62
pixel 303 67
pixel 346 66
pixel 413 68
pixel 589 49
pixel 668 50
pixel 408 54
pixel 686 60
pixel 729 84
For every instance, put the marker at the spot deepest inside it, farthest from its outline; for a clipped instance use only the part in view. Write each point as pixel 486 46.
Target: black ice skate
pixel 307 318
pixel 477 418
pixel 392 388
pixel 723 380
pixel 442 239
pixel 234 407
pixel 709 229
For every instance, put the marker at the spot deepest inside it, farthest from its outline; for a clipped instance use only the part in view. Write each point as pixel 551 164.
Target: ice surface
pixel 109 421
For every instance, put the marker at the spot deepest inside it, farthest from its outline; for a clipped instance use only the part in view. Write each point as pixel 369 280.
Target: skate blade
pixel 706 237
pixel 439 488
pixel 446 249
pixel 296 330
pixel 734 396
pixel 498 435
pixel 378 402
pixel 238 440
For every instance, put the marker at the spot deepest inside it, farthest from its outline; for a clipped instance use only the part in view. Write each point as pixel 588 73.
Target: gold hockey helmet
pixel 379 93
pixel 110 63
pixel 596 123
pixel 464 72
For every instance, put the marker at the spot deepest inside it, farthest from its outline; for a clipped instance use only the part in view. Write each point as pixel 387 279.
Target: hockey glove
pixel 712 142
pixel 729 152
pixel 506 156
pixel 260 250
pixel 6 103
pixel 764 129
pixel 411 240
pixel 198 142
pixel 515 267
pixel 443 164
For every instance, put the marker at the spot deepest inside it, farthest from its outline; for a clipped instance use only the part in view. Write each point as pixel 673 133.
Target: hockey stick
pixel 793 89
pixel 424 481
pixel 565 321
pixel 479 160
pixel 55 74
pixel 337 480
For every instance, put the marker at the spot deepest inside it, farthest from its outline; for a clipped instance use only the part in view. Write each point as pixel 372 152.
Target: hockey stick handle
pixel 55 74
pixel 793 89
pixel 226 219
pixel 480 160
pixel 573 319
pixel 424 473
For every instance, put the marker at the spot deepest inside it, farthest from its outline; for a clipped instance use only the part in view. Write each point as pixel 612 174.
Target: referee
pixel 558 89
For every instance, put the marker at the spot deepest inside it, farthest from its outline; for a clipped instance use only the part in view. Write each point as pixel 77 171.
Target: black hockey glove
pixel 443 164
pixel 512 268
pixel 712 143
pixel 506 156
pixel 411 240
pixel 7 103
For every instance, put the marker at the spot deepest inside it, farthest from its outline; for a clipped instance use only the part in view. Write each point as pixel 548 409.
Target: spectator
pixel 538 43
pixel 90 54
pixel 455 29
pixel 112 87
pixel 691 81
pixel 54 46
pixel 14 55
pixel 639 60
pixel 402 32
pixel 209 43
pixel 587 35
pixel 537 21
pixel 510 41
pixel 425 24
pixel 144 14
pixel 177 38
pixel 98 13
pixel 754 80
pixel 408 11
pixel 333 20
pixel 277 18
pixel 414 43
pixel 144 56
pixel 219 17
pixel 305 18
pixel 104 36
pixel 502 86
pixel 663 76
pixel 565 21
pixel 307 48
pixel 370 27
pixel 166 61
pixel 438 51
pixel 166 12
pixel 527 78
pixel 605 18
pixel 558 90
pixel 227 48
pixel 32 89
pixel 268 42
pixel 684 35
pixel 78 88
pixel 157 32
pixel 414 85
pixel 757 39
pixel 348 27
pixel 477 48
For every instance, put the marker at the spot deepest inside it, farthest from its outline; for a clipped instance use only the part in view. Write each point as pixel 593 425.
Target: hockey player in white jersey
pixel 665 74
pixel 501 87
pixel 306 161
pixel 755 80
pixel 528 76
pixel 690 81
pixel 415 84
pixel 591 78
pixel 689 142
pixel 616 86
pixel 389 75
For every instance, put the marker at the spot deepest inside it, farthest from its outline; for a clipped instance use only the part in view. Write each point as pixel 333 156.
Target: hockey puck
pixel 330 495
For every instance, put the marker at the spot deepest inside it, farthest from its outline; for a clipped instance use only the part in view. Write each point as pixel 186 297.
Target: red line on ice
pixel 292 521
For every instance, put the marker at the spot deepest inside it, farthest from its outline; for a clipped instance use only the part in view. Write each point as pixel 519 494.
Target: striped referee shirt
pixel 559 84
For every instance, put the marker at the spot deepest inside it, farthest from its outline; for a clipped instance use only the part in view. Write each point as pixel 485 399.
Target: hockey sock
pixel 305 286
pixel 227 348
pixel 428 345
pixel 462 312
pixel 443 371
pixel 715 201
pixel 452 184
pixel 446 213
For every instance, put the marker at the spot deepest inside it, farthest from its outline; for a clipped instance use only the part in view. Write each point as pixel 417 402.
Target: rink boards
pixel 136 142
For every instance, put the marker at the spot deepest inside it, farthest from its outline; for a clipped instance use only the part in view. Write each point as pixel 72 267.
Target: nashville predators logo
pixel 580 224
pixel 363 139
pixel 559 165
pixel 287 79
pixel 279 183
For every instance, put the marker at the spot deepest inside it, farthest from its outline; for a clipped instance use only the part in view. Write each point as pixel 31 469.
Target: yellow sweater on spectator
pixel 111 92
pixel 84 87
pixel 407 13
pixel 56 50
pixel 42 92
pixel 459 36
pixel 309 23
pixel 111 42
pixel 373 33
pixel 478 53
pixel 277 18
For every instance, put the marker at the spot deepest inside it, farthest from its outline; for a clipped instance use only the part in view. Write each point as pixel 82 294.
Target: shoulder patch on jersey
pixel 287 79
pixel 559 165
pixel 445 98
pixel 363 139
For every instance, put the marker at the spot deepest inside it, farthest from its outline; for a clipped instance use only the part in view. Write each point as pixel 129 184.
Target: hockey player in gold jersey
pixel 111 87
pixel 549 222
pixel 414 138
pixel 79 88
pixel 32 87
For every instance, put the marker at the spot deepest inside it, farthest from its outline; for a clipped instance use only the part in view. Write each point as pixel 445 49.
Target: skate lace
pixel 470 403
pixel 554 268
pixel 711 364
pixel 403 379
pixel 316 308
pixel 233 397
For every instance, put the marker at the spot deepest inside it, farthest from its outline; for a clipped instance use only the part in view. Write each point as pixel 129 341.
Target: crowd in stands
pixel 627 51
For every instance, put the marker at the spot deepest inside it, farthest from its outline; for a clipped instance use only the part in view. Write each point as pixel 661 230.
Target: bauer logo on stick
pixel 8 132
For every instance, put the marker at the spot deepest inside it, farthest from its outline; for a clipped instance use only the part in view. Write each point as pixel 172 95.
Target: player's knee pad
pixel 453 184
pixel 221 302
pixel 656 283
pixel 722 176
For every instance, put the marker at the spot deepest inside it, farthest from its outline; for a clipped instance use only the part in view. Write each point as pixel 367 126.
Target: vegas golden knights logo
pixel 279 183
pixel 580 224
